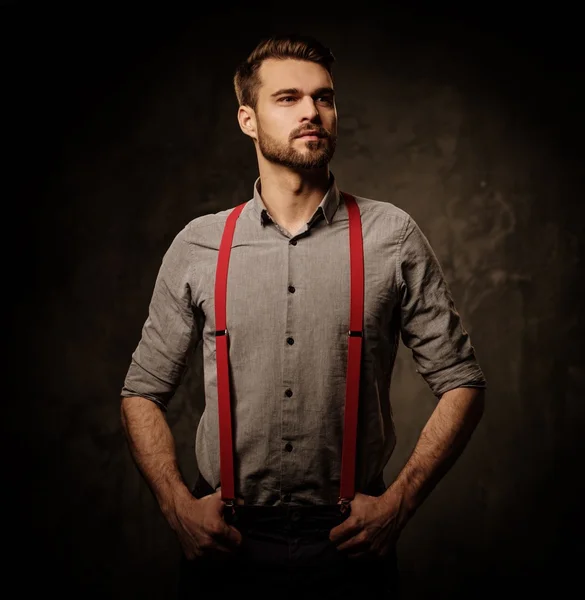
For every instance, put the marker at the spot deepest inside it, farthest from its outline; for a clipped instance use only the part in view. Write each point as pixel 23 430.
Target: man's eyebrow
pixel 295 91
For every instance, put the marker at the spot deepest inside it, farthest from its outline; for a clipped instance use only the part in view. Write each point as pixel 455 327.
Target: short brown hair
pixel 296 46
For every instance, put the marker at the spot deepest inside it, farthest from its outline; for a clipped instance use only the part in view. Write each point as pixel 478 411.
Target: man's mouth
pixel 311 135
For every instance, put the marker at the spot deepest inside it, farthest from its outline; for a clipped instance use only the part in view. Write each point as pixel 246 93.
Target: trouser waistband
pixel 315 519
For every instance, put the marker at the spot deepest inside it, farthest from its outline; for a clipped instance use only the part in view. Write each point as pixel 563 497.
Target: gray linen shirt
pixel 288 318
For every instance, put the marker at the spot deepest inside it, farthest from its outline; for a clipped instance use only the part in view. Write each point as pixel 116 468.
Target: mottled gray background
pixel 124 128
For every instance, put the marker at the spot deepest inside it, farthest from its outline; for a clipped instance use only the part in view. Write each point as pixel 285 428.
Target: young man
pixel 299 298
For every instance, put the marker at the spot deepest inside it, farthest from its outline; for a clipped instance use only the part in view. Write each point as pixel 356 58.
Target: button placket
pixel 288 447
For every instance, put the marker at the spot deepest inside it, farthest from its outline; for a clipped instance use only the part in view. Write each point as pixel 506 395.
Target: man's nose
pixel 309 109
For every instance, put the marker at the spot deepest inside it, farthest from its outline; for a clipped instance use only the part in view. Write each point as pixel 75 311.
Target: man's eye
pixel 325 99
pixel 287 98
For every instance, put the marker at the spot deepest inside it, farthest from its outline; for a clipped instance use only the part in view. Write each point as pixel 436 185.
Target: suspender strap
pixel 354 350
pixel 226 453
pixel 355 339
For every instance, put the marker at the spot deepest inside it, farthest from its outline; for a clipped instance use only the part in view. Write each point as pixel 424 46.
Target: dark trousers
pixel 286 553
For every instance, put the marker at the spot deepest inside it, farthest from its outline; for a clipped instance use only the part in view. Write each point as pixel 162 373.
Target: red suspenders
pixel 355 336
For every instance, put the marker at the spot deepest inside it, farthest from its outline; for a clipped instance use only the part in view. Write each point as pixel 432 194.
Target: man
pixel 299 298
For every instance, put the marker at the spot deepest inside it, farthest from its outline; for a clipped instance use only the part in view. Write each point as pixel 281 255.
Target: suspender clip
pixel 344 505
pixel 355 333
pixel 229 506
pixel 221 332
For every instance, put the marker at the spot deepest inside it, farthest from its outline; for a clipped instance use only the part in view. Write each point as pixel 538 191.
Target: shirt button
pixel 288 447
pixel 293 242
pixel 291 289
pixel 289 392
pixel 290 341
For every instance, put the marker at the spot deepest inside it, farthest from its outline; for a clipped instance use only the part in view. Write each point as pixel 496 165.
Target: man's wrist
pixel 172 495
pixel 401 498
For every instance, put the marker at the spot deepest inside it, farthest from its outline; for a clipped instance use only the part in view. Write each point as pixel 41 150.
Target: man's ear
pixel 247 121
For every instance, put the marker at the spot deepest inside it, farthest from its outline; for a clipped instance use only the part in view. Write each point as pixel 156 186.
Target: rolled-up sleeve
pixel 169 332
pixel 430 324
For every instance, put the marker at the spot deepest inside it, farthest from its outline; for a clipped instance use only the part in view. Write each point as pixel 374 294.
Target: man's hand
pixel 201 528
pixel 371 530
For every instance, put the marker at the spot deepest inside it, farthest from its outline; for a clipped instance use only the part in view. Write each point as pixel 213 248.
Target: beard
pixel 316 155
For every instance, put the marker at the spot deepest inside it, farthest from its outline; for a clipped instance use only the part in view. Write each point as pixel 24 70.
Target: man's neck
pixel 292 197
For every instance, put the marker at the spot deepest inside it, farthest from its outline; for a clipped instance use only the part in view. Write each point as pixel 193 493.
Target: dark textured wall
pixel 124 128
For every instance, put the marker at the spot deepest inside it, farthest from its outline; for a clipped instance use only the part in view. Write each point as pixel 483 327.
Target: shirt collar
pixel 327 206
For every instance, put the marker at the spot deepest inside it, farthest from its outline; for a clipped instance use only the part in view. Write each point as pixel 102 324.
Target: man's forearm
pixel 441 442
pixel 152 447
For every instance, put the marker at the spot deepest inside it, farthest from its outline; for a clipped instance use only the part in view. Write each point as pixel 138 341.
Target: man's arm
pixel 441 442
pixel 152 447
pixel 169 334
pixel 432 328
pixel 198 523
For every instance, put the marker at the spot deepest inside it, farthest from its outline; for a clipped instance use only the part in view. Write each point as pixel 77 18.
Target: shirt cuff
pixel 463 374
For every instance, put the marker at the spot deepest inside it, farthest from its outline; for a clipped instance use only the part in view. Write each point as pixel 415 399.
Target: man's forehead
pixel 291 73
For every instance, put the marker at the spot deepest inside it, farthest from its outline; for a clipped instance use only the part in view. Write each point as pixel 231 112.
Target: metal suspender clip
pixel 355 333
pixel 229 505
pixel 344 505
pixel 220 332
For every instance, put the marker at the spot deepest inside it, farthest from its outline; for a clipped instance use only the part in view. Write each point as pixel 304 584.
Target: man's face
pixel 296 97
